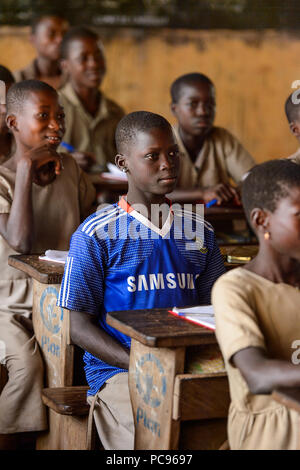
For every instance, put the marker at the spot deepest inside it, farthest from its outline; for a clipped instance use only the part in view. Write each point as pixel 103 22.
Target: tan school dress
pixel 253 311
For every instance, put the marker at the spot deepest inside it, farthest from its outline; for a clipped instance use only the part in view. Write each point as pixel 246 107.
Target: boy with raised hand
pixel 211 157
pixel 91 117
pixel 121 258
pixel 43 197
pixel 46 36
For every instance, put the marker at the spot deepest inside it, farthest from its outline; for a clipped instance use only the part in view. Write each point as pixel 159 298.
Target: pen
pixel 67 146
pixel 211 203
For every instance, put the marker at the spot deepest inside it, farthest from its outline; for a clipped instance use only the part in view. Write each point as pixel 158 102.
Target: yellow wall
pixel 252 71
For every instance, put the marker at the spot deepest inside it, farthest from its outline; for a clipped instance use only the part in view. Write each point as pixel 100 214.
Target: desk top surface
pixel 48 272
pixel 159 328
pixel 45 272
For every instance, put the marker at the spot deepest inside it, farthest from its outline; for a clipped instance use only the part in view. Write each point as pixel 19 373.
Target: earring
pixel 124 170
pixel 267 235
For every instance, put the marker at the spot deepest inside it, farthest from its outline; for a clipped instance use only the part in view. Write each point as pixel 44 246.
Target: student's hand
pixel 44 163
pixel 224 193
pixel 84 159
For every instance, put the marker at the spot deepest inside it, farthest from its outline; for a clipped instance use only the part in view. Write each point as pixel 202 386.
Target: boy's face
pixel 284 225
pixel 85 63
pixel 153 162
pixel 40 120
pixel 3 125
pixel 48 37
pixel 195 109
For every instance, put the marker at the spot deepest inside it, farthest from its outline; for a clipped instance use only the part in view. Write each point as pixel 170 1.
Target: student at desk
pixel 210 156
pixel 91 117
pixel 43 197
pixel 122 259
pixel 257 313
pixel 47 32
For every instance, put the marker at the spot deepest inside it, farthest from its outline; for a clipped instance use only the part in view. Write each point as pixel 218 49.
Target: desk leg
pixel 51 327
pixel 152 373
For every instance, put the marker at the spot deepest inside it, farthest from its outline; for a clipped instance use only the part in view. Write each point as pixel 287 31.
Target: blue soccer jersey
pixel 119 260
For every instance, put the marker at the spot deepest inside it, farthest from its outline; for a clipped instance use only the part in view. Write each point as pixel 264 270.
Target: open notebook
pixel 55 256
pixel 202 315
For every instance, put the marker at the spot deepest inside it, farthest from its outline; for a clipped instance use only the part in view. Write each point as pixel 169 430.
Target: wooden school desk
pixel 171 409
pixel 67 424
pixel 50 323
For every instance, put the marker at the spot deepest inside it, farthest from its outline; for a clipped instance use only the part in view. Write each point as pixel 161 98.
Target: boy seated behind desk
pixel 91 117
pixel 46 36
pixel 210 156
pixel 122 259
pixel 257 313
pixel 43 197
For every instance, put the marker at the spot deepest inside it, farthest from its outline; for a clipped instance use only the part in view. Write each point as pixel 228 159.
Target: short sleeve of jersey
pixel 83 281
pixel 237 325
pixel 214 269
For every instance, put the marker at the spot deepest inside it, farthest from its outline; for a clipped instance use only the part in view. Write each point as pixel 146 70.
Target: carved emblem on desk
pixel 52 317
pixel 151 381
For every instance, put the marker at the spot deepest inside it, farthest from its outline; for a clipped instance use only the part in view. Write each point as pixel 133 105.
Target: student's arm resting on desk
pixel 16 226
pixel 86 333
pixel 262 374
pixel 222 192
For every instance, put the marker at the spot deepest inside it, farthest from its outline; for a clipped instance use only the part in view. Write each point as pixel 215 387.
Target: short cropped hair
pixel 267 183
pixel 5 75
pixel 292 108
pixel 77 32
pixel 138 121
pixel 39 19
pixel 187 79
pixel 19 93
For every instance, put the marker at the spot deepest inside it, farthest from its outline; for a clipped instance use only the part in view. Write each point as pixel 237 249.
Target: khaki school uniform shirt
pixel 253 311
pixel 57 209
pixel 220 159
pixel 87 133
pixel 31 73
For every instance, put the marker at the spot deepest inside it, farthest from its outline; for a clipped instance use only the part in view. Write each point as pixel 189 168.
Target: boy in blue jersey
pixel 119 259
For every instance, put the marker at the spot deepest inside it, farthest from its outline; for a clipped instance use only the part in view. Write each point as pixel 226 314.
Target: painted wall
pixel 253 72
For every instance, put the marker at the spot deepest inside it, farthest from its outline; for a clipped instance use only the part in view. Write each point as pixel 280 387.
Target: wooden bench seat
pixel 67 400
pixel 68 420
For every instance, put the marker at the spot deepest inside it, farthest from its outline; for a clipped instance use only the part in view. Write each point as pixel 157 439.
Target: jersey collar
pixel 123 204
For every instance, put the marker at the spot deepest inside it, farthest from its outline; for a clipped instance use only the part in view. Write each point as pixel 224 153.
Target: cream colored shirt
pixel 253 311
pixel 220 159
pixel 58 210
pixel 31 73
pixel 87 133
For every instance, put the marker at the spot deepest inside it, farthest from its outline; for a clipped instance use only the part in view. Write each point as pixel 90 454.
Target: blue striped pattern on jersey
pixel 107 270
